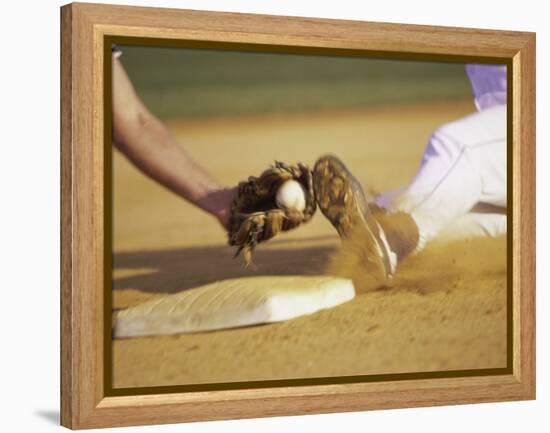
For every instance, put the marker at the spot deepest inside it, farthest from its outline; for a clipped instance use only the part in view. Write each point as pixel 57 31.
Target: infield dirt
pixel 446 309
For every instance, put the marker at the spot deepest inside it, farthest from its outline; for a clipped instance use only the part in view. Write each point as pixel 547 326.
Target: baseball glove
pixel 255 217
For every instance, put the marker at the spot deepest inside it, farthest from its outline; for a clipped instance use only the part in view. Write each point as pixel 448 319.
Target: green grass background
pixel 175 82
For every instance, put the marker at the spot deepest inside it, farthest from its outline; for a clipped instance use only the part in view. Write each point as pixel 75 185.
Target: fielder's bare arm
pixel 146 141
pixel 247 211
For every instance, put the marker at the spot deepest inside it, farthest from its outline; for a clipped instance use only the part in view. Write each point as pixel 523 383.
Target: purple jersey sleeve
pixel 488 84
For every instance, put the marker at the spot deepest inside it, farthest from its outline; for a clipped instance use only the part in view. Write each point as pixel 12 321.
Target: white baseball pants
pixel 460 188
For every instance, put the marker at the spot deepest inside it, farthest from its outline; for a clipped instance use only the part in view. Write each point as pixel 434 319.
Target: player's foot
pixel 342 200
pixel 389 237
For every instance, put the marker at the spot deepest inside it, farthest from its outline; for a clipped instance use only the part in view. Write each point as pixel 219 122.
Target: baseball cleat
pixel 342 200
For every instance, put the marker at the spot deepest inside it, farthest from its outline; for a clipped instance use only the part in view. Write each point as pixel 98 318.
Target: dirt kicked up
pixel 446 309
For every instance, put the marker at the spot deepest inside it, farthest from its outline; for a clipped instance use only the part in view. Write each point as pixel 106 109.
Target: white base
pixel 234 303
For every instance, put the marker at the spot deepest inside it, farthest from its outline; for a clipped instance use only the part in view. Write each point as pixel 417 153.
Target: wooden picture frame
pixel 85 29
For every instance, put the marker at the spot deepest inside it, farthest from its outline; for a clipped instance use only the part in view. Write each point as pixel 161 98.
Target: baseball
pixel 291 196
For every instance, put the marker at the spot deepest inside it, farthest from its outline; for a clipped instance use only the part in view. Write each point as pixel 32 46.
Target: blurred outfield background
pixel 176 82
